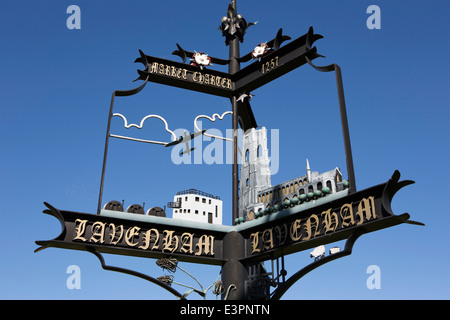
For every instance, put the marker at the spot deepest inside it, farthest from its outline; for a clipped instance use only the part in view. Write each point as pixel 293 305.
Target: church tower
pixel 255 170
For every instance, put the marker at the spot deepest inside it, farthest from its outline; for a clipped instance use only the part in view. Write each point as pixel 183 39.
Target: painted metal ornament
pixel 200 59
pixel 259 51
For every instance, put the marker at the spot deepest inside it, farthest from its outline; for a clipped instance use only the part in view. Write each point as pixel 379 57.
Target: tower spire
pixel 308 171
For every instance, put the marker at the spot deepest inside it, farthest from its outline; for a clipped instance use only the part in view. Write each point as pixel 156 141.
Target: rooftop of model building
pixel 197 192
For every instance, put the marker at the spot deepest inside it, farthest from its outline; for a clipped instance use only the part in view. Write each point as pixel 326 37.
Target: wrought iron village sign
pixel 365 211
pixel 268 221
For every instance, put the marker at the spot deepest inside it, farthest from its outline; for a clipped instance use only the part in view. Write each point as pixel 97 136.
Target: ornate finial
pixel 234 25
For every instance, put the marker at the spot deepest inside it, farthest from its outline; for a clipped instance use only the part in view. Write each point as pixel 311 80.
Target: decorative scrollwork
pixel 218 288
pixel 234 25
pixel 166 279
pixel 169 264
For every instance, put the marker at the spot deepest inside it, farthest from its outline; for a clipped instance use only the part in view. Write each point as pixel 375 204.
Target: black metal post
pixel 105 154
pixel 234 273
pixel 235 180
pixel 234 67
pixel 119 93
pixel 344 122
pixel 345 131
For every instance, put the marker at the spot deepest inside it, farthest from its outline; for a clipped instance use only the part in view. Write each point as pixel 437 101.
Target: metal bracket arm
pixel 134 273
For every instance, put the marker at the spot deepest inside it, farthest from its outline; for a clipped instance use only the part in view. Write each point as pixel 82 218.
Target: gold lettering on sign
pixel 169 71
pixel 330 221
pixel 187 242
pixel 130 234
pixel 295 230
pixel 311 227
pixel 170 241
pixel 98 230
pixel 281 234
pixel 254 238
pixel 114 237
pixel 366 209
pixel 269 65
pixel 197 76
pixel 145 239
pixel 267 238
pixel 347 215
pixel 154 68
pixel 151 236
pixel 206 242
pixel 327 222
pixel 79 229
pixel 211 80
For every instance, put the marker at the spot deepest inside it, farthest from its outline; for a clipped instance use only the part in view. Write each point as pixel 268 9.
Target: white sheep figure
pixel 335 250
pixel 318 252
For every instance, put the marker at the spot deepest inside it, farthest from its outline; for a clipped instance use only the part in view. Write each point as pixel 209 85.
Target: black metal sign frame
pixel 271 66
pixel 365 211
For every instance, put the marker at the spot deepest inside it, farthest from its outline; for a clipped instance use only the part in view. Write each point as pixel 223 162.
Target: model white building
pixel 195 205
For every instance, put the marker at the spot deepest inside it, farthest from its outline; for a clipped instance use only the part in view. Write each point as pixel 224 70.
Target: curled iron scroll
pixel 281 290
pixel 328 68
pixel 134 273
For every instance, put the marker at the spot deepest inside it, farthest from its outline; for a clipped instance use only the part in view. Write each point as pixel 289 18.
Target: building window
pixel 247 155
pixel 319 186
pixel 247 182
pixel 329 185
pixel 196 211
pixel 259 151
pixel 197 199
pixel 203 200
pixel 209 201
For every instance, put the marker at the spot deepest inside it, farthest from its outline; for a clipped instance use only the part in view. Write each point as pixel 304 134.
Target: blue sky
pixel 56 87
